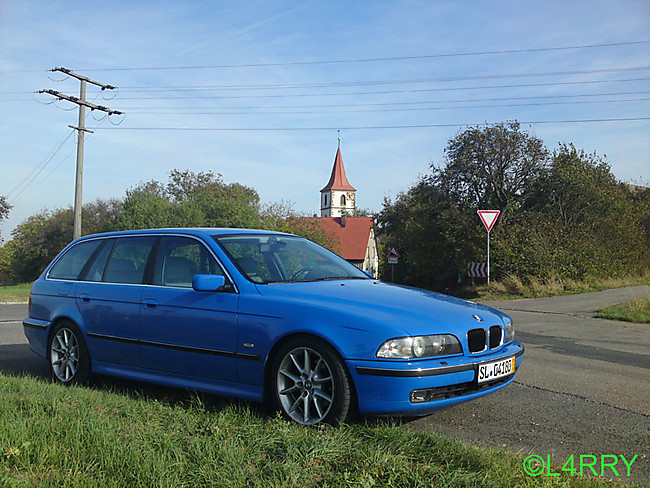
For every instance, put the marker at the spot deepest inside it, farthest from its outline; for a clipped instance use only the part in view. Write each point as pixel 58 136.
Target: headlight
pixel 510 331
pixel 420 347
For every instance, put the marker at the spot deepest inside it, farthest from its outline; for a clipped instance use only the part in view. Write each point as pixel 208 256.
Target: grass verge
pixel 511 287
pixel 632 311
pixel 15 293
pixel 57 436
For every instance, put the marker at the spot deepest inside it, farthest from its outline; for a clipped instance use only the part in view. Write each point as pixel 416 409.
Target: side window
pixel 128 260
pixel 179 259
pixel 96 270
pixel 72 262
pixel 247 255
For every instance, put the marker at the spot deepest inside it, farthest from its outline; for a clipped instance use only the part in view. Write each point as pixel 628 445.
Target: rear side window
pixel 179 259
pixel 96 270
pixel 128 260
pixel 73 261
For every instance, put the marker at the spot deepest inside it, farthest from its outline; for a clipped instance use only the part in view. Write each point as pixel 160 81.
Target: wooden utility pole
pixel 81 130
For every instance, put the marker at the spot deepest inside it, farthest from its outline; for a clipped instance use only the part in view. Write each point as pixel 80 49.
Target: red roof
pixel 338 180
pixel 352 239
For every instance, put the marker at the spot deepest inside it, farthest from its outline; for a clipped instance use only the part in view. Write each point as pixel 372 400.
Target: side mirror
pixel 369 274
pixel 207 282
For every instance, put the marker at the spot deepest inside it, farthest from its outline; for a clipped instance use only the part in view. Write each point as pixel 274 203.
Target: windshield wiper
pixel 327 278
pixel 334 278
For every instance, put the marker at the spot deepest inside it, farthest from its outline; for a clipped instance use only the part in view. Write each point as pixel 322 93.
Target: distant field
pixel 632 311
pixel 53 435
pixel 16 293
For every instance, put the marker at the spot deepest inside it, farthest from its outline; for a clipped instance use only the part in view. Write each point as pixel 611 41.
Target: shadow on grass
pixel 19 360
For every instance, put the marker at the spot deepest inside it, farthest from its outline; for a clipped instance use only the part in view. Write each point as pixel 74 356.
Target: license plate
pixel 495 370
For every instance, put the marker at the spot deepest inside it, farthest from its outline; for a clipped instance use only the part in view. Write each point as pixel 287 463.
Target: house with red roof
pixel 355 236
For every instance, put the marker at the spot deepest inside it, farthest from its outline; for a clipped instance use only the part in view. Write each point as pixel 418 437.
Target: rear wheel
pixel 310 383
pixel 68 355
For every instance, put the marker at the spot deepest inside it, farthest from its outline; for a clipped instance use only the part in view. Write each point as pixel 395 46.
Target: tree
pixel 148 206
pixel 577 222
pixel 282 217
pixel 567 215
pixel 432 233
pixel 39 238
pixel 492 166
pixel 190 200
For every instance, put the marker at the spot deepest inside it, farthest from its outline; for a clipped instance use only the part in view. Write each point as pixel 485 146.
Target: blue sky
pixel 291 86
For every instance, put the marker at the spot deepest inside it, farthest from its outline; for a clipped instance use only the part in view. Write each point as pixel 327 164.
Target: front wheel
pixel 310 383
pixel 68 355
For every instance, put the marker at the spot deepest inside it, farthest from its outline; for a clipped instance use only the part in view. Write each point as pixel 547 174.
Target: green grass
pixel 57 436
pixel 632 311
pixel 512 287
pixel 15 293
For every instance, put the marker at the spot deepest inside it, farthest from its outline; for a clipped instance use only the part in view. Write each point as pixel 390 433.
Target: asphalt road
pixel 583 389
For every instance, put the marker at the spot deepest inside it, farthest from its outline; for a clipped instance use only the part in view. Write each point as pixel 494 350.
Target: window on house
pixel 342 200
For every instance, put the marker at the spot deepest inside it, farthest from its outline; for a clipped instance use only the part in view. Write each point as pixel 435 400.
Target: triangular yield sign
pixel 489 217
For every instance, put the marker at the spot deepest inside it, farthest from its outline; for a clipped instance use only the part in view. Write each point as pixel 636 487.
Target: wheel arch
pixel 267 374
pixel 55 322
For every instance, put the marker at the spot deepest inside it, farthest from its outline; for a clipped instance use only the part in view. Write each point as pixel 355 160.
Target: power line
pixel 426 90
pixel 357 60
pixel 377 92
pixel 427 102
pixel 368 127
pixel 34 174
pixel 63 160
pixel 479 87
pixel 138 89
pixel 409 109
pixel 375 60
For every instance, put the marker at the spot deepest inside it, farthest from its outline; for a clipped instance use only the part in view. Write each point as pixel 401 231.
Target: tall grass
pixel 512 286
pixel 15 293
pixel 57 436
pixel 633 311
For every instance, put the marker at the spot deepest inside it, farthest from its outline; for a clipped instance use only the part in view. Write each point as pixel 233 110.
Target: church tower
pixel 338 196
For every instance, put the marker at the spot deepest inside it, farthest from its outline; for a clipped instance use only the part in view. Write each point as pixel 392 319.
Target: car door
pixel 109 300
pixel 185 331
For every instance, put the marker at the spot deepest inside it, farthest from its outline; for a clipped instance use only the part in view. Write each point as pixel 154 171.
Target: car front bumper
pixel 385 387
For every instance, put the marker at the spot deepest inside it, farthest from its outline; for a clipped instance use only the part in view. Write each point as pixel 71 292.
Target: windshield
pixel 267 258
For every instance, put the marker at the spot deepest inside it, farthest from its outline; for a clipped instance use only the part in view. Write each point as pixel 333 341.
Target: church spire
pixel 338 179
pixel 338 196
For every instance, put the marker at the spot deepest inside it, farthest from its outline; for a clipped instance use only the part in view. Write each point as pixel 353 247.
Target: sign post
pixel 393 257
pixel 488 217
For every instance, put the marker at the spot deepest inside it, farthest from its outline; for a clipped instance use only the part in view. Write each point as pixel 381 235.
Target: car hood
pixel 412 310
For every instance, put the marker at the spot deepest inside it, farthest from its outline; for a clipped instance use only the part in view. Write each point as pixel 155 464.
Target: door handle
pixel 150 303
pixel 85 298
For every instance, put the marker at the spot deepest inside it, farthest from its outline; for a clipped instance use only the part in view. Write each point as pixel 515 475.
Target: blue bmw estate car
pixel 265 316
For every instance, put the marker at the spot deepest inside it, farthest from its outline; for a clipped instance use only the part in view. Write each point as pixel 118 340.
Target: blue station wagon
pixel 264 316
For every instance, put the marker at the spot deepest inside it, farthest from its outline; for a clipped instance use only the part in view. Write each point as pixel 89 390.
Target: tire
pixel 310 384
pixel 67 354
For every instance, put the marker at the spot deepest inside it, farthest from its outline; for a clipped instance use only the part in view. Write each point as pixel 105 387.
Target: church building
pixel 355 235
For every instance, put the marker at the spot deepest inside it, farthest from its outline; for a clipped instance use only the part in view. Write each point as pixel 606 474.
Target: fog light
pixel 420 396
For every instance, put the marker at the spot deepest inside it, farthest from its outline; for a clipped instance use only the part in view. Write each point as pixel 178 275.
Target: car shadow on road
pixel 18 360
